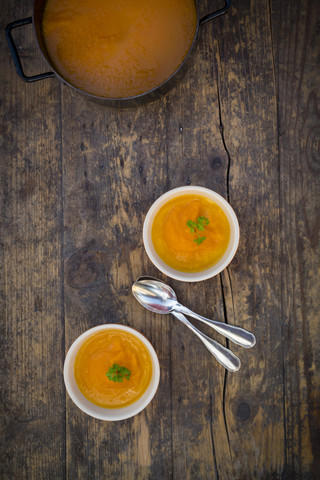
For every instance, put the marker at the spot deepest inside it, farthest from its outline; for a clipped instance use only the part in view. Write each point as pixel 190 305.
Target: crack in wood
pixel 211 433
pixel 226 371
pixel 221 129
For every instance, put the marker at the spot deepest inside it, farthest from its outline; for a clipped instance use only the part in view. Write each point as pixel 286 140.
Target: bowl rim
pixel 102 413
pixel 204 274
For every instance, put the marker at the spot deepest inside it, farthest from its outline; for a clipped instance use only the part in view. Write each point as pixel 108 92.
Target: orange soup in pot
pixel 119 48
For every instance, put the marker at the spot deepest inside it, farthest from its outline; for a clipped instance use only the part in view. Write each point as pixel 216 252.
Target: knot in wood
pixel 243 411
pixel 216 163
pixel 84 269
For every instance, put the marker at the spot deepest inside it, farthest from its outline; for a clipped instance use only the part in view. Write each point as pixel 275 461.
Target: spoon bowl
pixel 150 294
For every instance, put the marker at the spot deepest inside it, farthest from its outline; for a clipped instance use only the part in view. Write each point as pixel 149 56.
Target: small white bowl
pixel 90 408
pixel 195 276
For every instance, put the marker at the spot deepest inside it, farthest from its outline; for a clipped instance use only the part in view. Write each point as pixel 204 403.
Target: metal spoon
pixel 224 356
pixel 160 298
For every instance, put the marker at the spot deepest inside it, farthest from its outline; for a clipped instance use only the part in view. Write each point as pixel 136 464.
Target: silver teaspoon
pixel 224 356
pixel 160 298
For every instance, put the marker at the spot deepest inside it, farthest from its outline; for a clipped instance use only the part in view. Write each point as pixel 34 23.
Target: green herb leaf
pixel 192 225
pixel 199 240
pixel 198 226
pixel 203 220
pixel 117 373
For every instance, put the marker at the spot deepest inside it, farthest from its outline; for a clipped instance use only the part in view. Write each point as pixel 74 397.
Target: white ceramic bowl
pixel 90 408
pixel 205 274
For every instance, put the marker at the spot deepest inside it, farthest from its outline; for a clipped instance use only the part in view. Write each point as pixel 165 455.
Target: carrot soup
pixel 190 233
pixel 120 48
pixel 113 369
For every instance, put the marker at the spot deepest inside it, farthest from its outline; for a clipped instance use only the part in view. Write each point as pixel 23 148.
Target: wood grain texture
pixel 32 322
pixel 253 400
pixel 297 52
pixel 77 180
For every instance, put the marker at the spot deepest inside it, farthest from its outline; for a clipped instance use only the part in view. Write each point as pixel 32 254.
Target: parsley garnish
pixel 199 225
pixel 117 373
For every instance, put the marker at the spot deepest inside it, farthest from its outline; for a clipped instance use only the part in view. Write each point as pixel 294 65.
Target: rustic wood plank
pixel 195 143
pixel 253 398
pixel 32 330
pixel 77 180
pixel 297 49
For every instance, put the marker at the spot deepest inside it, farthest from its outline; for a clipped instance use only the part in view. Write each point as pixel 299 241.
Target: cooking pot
pixel 152 94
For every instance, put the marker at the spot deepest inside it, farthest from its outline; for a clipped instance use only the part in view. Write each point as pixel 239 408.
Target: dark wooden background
pixel 76 182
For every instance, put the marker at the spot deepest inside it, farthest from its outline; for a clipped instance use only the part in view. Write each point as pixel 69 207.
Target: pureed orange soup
pixel 119 48
pixel 98 354
pixel 188 248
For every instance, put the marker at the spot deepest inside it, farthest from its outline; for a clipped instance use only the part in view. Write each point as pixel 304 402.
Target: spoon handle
pixel 224 356
pixel 235 334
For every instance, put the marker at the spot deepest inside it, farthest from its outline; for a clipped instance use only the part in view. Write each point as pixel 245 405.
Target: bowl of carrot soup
pixel 191 233
pixel 111 372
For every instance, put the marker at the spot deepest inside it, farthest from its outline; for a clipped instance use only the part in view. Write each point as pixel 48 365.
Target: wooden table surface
pixel 77 179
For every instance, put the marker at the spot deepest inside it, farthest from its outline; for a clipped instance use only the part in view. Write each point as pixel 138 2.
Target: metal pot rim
pixel 159 89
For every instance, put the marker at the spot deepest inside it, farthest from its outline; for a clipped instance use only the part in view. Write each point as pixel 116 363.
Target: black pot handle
pixel 216 14
pixel 15 55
